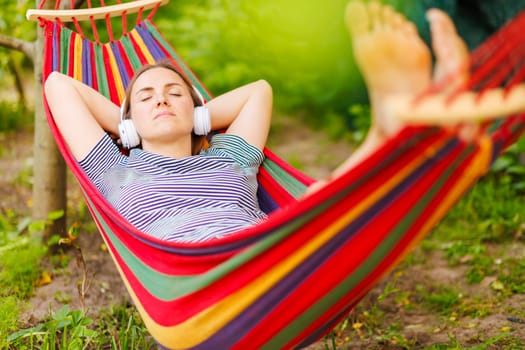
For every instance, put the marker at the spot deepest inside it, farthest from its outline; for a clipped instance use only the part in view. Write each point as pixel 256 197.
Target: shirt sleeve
pixel 103 156
pixel 236 148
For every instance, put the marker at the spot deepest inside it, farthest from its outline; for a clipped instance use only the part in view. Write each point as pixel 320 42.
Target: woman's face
pixel 161 106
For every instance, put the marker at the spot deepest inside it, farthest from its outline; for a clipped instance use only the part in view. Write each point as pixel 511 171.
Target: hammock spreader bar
pixel 287 281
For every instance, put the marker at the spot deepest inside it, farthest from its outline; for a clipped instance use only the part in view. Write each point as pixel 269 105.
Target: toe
pixel 440 22
pixel 390 17
pixel 393 20
pixel 375 13
pixel 356 18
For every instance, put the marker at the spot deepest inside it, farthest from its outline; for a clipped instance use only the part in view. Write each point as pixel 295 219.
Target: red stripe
pixel 137 50
pixel 288 168
pixel 71 59
pixel 247 271
pixel 274 189
pixel 93 66
pixel 125 59
pixel 341 264
pixel 345 260
pixel 408 239
pixel 47 66
pixel 113 94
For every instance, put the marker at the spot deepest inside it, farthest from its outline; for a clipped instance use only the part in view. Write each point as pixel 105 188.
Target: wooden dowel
pixel 466 107
pixel 95 12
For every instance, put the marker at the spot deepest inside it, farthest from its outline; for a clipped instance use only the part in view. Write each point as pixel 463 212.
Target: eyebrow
pixel 149 88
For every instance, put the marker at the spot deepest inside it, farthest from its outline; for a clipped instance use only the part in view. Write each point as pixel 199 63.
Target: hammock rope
pixel 285 282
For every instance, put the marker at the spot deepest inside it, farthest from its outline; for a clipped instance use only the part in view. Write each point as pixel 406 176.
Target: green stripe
pixel 167 287
pixel 364 270
pixel 65 38
pixel 131 53
pixel 293 186
pixel 102 76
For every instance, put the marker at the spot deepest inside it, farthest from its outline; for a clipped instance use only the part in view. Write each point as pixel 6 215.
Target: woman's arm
pixel 245 111
pixel 82 114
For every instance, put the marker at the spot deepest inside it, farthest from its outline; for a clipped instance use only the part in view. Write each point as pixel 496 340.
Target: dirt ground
pixel 415 325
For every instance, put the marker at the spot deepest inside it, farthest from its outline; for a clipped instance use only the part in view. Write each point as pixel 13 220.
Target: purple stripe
pixel 266 202
pixel 150 42
pixel 55 49
pixel 246 321
pixel 86 62
pixel 238 244
pixel 120 63
pixel 321 331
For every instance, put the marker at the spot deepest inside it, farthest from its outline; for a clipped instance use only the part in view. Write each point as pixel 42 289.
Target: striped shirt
pixel 191 199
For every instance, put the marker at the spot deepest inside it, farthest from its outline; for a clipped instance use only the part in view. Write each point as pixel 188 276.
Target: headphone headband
pixel 122 109
pixel 201 98
pixel 130 137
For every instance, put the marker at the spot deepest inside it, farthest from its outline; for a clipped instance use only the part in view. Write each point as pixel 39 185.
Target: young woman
pixel 171 188
pixel 168 187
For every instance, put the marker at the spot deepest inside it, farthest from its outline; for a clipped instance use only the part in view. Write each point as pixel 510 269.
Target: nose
pixel 162 100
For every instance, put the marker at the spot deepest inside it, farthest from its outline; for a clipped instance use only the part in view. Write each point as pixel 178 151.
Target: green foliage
pixel 511 274
pixel 442 299
pixel 491 212
pixel 9 309
pixel 475 20
pixel 124 326
pixel 13 20
pixel 302 49
pixel 17 278
pixel 500 341
pixel 118 328
pixel 13 116
pixel 13 24
pixel 509 168
pixel 64 330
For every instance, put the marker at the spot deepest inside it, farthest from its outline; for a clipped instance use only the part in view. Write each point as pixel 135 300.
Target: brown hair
pixel 197 141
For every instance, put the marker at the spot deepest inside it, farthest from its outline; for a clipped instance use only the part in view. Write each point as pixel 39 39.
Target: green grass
pixel 17 280
pixel 478 236
pixel 117 328
pixel 466 237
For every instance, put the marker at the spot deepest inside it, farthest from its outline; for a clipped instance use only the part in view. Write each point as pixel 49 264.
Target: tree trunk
pixel 49 187
pixel 17 74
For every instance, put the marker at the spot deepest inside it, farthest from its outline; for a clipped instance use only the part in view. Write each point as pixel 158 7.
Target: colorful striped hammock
pixel 286 282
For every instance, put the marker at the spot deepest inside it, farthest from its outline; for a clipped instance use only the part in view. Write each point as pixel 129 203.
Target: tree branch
pixel 26 47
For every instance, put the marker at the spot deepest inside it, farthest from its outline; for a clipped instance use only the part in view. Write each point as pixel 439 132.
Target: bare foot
pixel 392 58
pixel 394 62
pixel 452 54
pixel 396 65
pixel 452 60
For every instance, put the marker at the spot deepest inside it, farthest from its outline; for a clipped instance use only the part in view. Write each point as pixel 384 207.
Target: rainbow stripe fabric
pixel 286 282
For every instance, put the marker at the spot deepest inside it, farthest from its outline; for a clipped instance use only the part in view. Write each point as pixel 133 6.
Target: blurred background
pixel 301 47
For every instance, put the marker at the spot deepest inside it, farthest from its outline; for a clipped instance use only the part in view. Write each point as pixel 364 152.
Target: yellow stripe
pixel 77 58
pixel 116 73
pixel 211 320
pixel 478 166
pixel 143 48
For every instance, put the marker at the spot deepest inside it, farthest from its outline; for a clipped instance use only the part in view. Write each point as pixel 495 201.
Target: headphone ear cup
pixel 128 134
pixel 201 120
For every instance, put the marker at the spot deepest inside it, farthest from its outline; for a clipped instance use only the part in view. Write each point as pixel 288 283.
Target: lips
pixel 164 114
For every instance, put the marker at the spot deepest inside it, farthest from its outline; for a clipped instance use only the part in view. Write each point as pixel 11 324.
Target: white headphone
pixel 130 137
pixel 201 116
